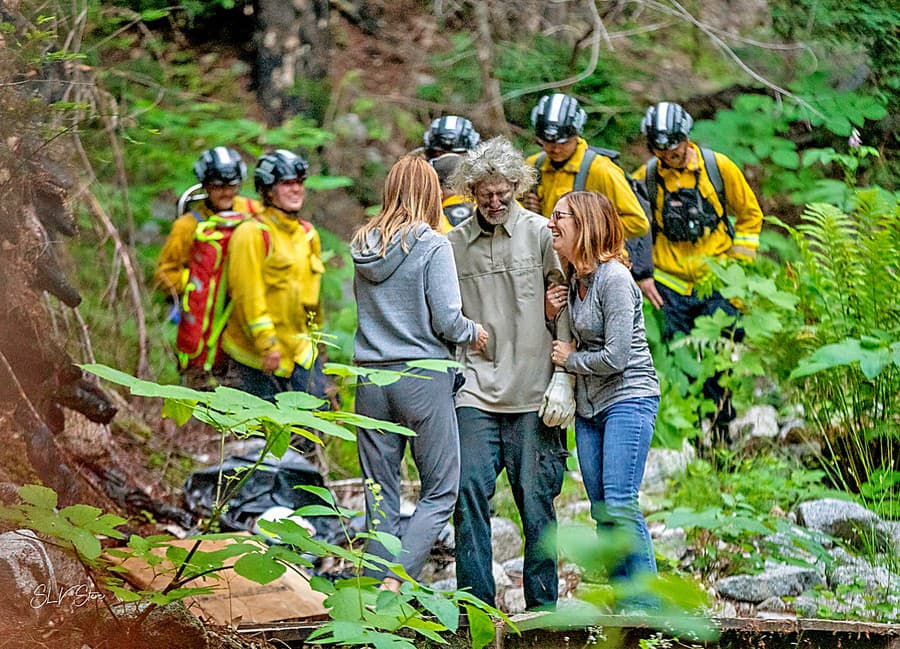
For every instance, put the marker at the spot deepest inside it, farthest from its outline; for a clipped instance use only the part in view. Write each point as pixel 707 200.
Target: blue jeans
pixel 612 451
pixel 534 458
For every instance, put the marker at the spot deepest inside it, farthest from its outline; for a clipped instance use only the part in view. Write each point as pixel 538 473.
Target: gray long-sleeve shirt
pixel 612 361
pixel 408 303
pixel 502 277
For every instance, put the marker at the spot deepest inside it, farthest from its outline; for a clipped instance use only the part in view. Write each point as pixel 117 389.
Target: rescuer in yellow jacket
pixel 221 171
pixel 692 190
pixel 690 220
pixel 558 121
pixel 274 279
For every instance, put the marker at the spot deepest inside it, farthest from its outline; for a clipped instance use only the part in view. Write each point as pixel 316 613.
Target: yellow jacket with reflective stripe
pixel 275 293
pixel 679 265
pixel 170 274
pixel 604 177
pixel 450 201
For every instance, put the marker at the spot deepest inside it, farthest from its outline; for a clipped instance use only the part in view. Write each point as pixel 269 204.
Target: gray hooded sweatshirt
pixel 408 303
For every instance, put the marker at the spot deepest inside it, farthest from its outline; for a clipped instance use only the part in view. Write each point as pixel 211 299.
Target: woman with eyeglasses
pixel 409 309
pixel 616 388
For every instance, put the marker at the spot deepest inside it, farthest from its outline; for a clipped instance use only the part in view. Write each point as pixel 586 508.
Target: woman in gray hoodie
pixel 409 309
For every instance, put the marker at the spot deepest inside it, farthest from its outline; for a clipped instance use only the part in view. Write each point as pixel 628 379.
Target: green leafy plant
pixel 362 614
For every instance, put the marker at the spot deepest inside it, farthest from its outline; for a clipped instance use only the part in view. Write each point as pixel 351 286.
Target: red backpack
pixel 205 305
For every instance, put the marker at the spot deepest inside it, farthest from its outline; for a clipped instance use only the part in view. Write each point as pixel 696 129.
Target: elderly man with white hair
pixel 513 407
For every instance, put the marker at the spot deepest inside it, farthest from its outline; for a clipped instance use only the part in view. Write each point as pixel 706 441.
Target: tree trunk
pixel 293 44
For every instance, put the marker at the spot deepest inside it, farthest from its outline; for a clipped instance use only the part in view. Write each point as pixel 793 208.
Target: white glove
pixel 558 407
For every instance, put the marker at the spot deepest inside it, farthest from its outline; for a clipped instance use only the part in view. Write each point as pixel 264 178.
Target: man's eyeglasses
pixel 556 215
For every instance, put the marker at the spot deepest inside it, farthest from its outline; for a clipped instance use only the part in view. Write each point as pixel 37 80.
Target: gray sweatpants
pixel 424 405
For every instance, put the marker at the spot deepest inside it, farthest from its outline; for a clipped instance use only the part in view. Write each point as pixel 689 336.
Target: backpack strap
pixel 581 177
pixel 715 177
pixel 197 216
pixel 651 179
pixel 612 154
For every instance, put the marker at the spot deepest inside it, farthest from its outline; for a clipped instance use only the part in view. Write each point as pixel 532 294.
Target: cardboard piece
pixel 237 600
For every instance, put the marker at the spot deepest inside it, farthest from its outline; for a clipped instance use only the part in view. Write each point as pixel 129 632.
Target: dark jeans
pixel 263 385
pixel 679 313
pixel 612 453
pixel 534 458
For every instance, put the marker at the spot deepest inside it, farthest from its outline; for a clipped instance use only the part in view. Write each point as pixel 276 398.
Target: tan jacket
pixel 502 279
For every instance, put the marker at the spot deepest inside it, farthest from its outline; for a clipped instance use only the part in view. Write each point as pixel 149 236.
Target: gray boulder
pixel 758 422
pixel 670 543
pixel 774 581
pixel 664 464
pixel 514 569
pixel 506 539
pixel 845 520
pixel 871 578
pixel 514 601
pixel 27 579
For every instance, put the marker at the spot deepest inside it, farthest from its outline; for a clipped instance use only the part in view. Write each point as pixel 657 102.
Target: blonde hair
pixel 600 237
pixel 412 195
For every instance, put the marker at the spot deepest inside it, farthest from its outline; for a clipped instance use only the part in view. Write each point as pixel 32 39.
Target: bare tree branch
pixel 599 30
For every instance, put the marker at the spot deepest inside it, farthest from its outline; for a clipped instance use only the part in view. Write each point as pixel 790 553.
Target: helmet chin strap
pixel 292 214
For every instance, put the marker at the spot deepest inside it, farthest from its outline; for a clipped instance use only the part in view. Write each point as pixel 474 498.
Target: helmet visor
pixel 662 141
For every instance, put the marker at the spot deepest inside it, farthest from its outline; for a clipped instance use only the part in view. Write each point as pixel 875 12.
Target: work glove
pixel 558 407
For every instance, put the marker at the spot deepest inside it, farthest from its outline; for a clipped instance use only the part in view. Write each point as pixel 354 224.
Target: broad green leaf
pixel 286 531
pixel 368 422
pixel 442 608
pixel 315 510
pixel 345 604
pixel 390 542
pixel 426 628
pixel 300 400
pixel 177 411
pixel 321 585
pixel 176 555
pixel 320 421
pixel 279 439
pixel 318 183
pixel 259 568
pixel 322 492
pixel 786 158
pixel 86 543
pixel 110 374
pixel 480 626
pixel 38 496
pixel 284 554
pixel 229 400
pixel 434 364
pixel 124 594
pixel 383 378
pixel 344 632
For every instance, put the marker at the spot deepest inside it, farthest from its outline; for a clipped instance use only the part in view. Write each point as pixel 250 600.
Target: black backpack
pixel 652 181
